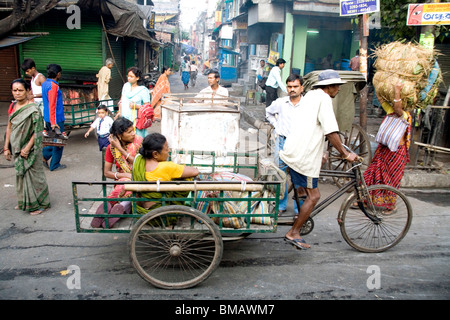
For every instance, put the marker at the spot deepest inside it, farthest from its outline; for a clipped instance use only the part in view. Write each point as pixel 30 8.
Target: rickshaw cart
pixel 179 246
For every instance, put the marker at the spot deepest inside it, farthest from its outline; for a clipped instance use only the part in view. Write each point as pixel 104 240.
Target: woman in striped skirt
pixel 387 167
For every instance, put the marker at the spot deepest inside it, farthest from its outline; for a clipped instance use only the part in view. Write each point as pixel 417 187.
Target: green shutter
pixel 77 51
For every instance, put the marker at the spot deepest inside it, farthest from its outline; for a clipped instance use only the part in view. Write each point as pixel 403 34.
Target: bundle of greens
pixel 411 64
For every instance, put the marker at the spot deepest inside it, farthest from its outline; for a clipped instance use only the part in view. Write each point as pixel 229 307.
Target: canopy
pixel 127 16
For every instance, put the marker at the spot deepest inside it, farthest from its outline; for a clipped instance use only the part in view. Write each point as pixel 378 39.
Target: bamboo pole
pixel 193 187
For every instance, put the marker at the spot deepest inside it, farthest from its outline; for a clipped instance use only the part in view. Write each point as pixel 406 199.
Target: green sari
pixel 139 175
pixel 31 183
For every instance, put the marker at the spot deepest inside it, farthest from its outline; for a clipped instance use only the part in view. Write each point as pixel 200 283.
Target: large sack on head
pixel 415 66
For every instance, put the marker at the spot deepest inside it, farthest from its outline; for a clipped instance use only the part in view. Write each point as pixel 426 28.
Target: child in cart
pixel 102 124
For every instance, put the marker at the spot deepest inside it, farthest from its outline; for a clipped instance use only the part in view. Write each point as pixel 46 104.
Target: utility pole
pixel 363 48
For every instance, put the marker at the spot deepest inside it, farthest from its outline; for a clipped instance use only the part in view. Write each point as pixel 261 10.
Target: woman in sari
pixel 23 142
pixel 151 165
pixel 185 68
pixel 134 96
pixel 387 167
pixel 162 87
pixel 124 145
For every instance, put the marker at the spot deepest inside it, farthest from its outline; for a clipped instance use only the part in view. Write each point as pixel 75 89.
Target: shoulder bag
pixel 391 131
pixel 145 116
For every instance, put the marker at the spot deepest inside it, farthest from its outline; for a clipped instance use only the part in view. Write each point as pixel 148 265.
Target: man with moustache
pixel 280 115
pixel 313 120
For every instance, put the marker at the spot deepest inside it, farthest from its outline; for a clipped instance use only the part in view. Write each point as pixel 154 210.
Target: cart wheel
pixel 358 141
pixel 307 227
pixel 175 247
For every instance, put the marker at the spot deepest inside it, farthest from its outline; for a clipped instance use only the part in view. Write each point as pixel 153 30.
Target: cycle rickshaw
pixel 178 246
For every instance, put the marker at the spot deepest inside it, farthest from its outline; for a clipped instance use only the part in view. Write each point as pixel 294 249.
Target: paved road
pixel 35 253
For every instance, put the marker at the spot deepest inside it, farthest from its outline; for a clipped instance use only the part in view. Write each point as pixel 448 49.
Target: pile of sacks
pixel 413 65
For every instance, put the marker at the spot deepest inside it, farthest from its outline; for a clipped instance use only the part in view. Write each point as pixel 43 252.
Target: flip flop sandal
pixel 298 243
pixel 388 212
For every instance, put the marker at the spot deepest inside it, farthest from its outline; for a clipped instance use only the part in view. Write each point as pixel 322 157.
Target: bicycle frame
pixel 356 180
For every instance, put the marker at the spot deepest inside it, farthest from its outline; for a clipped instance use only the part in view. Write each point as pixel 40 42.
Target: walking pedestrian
pixel 274 82
pixel 104 76
pixel 37 79
pixel 281 115
pixel 52 99
pixel 134 96
pixel 193 73
pixel 162 87
pixel 185 68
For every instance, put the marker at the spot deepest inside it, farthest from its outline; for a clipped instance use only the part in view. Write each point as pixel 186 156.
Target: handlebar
pixel 358 158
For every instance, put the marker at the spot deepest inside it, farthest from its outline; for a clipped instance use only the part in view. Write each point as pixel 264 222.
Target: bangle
pixel 115 175
pixel 348 155
pixel 127 156
pixel 397 100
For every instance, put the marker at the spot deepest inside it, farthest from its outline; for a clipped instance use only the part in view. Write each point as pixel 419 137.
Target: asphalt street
pixel 39 254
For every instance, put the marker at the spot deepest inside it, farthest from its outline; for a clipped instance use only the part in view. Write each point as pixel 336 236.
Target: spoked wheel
pixel 307 227
pixel 175 247
pixel 388 219
pixel 358 141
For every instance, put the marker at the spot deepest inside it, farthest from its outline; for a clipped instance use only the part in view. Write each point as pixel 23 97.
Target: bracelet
pixel 346 158
pixel 115 175
pixel 127 156
pixel 397 100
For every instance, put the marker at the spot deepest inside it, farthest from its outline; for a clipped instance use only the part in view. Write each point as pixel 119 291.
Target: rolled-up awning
pixel 128 19
pixel 14 40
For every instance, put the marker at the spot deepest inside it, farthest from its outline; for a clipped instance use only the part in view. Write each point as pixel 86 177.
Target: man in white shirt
pixel 303 150
pixel 214 90
pixel 281 115
pixel 274 81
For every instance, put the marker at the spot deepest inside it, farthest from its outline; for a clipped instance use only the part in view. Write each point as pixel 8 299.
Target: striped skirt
pixel 387 168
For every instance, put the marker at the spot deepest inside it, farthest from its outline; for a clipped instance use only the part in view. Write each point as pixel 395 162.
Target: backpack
pixel 145 116
pixel 262 83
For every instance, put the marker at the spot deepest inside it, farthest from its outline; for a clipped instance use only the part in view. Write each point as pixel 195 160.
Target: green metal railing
pixel 270 199
pixel 85 112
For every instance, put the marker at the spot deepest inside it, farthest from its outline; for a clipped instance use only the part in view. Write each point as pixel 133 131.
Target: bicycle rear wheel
pixel 385 224
pixel 175 247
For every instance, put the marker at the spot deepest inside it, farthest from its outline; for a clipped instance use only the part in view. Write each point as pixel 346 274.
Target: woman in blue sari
pixel 134 96
pixel 185 68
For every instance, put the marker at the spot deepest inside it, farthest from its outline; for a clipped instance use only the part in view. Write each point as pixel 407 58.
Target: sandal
pixel 298 243
pixel 388 212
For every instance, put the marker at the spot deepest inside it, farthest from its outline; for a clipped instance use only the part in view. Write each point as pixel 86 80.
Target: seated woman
pixel 124 145
pixel 151 165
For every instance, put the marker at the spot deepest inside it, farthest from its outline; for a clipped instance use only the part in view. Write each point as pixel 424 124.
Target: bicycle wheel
pixel 381 229
pixel 175 247
pixel 358 141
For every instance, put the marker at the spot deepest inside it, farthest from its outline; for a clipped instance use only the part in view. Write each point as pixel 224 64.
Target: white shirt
pixel 208 92
pixel 281 114
pixel 259 72
pixel 36 89
pixel 193 67
pixel 105 127
pixel 313 120
pixel 274 79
